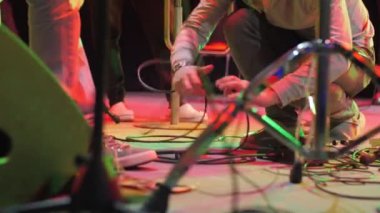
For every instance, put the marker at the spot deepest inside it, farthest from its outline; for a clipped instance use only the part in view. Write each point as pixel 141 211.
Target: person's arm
pixel 193 36
pixel 197 29
pixel 293 86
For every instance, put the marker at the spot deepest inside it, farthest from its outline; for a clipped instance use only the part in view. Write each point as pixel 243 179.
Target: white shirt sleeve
pixel 293 86
pixel 197 29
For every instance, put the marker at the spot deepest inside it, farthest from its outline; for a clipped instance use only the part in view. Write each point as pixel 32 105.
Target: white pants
pixel 54 34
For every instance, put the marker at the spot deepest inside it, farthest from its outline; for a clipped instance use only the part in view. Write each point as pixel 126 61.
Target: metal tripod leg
pixel 323 49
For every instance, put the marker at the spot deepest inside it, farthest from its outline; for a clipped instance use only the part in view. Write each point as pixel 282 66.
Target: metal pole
pixel 175 97
pixel 167 24
pixel 322 124
pixel 324 24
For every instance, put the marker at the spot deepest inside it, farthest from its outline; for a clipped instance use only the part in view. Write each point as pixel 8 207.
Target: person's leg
pixel 115 74
pixel 346 120
pixel 254 44
pixel 54 36
pixel 151 16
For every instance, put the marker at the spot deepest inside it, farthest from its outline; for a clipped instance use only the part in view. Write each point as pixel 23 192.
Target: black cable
pixel 345 164
pixel 150 63
pixel 162 61
pixel 214 161
pixel 322 186
pixel 335 174
pixel 261 190
pixel 183 135
pixel 229 159
pixel 245 140
pixel 258 189
pixel 209 95
pixel 136 140
pixel 342 164
pixel 234 181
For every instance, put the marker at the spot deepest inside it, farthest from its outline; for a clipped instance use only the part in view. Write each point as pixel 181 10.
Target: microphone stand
pixel 93 189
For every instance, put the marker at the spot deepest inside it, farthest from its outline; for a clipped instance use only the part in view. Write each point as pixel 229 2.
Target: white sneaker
pixel 341 134
pixel 187 113
pixel 348 130
pixel 120 110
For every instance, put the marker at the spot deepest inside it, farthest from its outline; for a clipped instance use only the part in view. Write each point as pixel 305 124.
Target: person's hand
pixel 187 80
pixel 231 86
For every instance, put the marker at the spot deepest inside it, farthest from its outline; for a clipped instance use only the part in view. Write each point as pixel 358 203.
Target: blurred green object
pixel 45 128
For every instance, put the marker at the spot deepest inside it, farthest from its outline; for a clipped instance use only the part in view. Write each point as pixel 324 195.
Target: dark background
pixel 139 31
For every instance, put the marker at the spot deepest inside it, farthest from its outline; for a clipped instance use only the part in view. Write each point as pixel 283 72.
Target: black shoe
pixel 268 145
pixel 264 143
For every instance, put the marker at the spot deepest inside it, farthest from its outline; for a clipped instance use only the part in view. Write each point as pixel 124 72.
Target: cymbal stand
pixel 323 48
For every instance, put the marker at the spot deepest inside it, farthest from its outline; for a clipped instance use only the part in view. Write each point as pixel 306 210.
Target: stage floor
pixel 257 186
